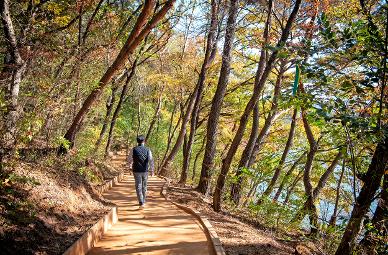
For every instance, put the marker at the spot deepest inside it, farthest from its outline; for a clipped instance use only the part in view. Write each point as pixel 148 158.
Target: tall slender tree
pixel 130 74
pixel 140 30
pixel 249 107
pixel 236 187
pixel 12 76
pixel 186 116
pixel 218 98
pixel 259 140
pixel 210 51
pixel 367 194
pixel 286 150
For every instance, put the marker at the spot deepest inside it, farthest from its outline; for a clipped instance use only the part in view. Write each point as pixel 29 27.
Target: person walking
pixel 142 164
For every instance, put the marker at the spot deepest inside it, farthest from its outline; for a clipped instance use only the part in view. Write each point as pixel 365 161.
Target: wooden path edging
pixel 215 243
pixel 93 235
pixel 109 184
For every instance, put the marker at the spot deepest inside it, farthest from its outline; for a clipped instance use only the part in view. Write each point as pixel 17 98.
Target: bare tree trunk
pixel 185 152
pixel 186 116
pixel 118 107
pixel 257 139
pixel 182 106
pixel 85 34
pixel 367 194
pixel 379 222
pixel 187 148
pixel 236 188
pixel 287 175
pixel 181 135
pixel 109 108
pixel 12 75
pixel 291 188
pixel 155 117
pixel 322 181
pixel 139 32
pixel 321 184
pixel 287 148
pixel 211 47
pixel 218 98
pixel 249 107
pixel 138 116
pixel 250 192
pixel 263 135
pixel 333 218
pixel 311 209
pixel 171 131
pixel 196 158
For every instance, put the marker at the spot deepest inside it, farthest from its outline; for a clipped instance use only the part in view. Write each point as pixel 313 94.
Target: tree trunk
pixel 209 57
pixel 333 218
pixel 170 131
pixel 250 192
pixel 181 135
pixel 186 115
pixel 138 116
pixel 291 188
pixel 138 33
pixel 235 190
pixel 196 158
pixel 118 107
pixel 155 117
pixel 212 124
pixel 262 136
pixel 322 181
pixel 310 206
pixel 182 106
pixel 109 108
pixel 185 152
pixel 287 176
pixel 367 194
pixel 379 222
pixel 321 184
pixel 188 146
pixel 249 107
pixel 287 148
pixel 257 139
pixel 12 74
pixel 90 22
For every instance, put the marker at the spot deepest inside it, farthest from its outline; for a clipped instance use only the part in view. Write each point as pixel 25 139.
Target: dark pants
pixel 141 186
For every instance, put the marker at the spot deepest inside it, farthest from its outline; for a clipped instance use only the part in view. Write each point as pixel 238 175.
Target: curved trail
pixel 159 228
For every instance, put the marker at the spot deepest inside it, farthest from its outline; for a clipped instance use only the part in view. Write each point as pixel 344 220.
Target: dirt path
pixel 159 228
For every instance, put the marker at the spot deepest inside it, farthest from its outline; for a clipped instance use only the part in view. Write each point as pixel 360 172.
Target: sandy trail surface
pixel 159 228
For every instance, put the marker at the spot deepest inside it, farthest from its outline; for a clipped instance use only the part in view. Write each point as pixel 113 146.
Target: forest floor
pixel 238 234
pixel 46 205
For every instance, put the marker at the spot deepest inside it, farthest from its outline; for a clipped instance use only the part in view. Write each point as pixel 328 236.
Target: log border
pixel 93 234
